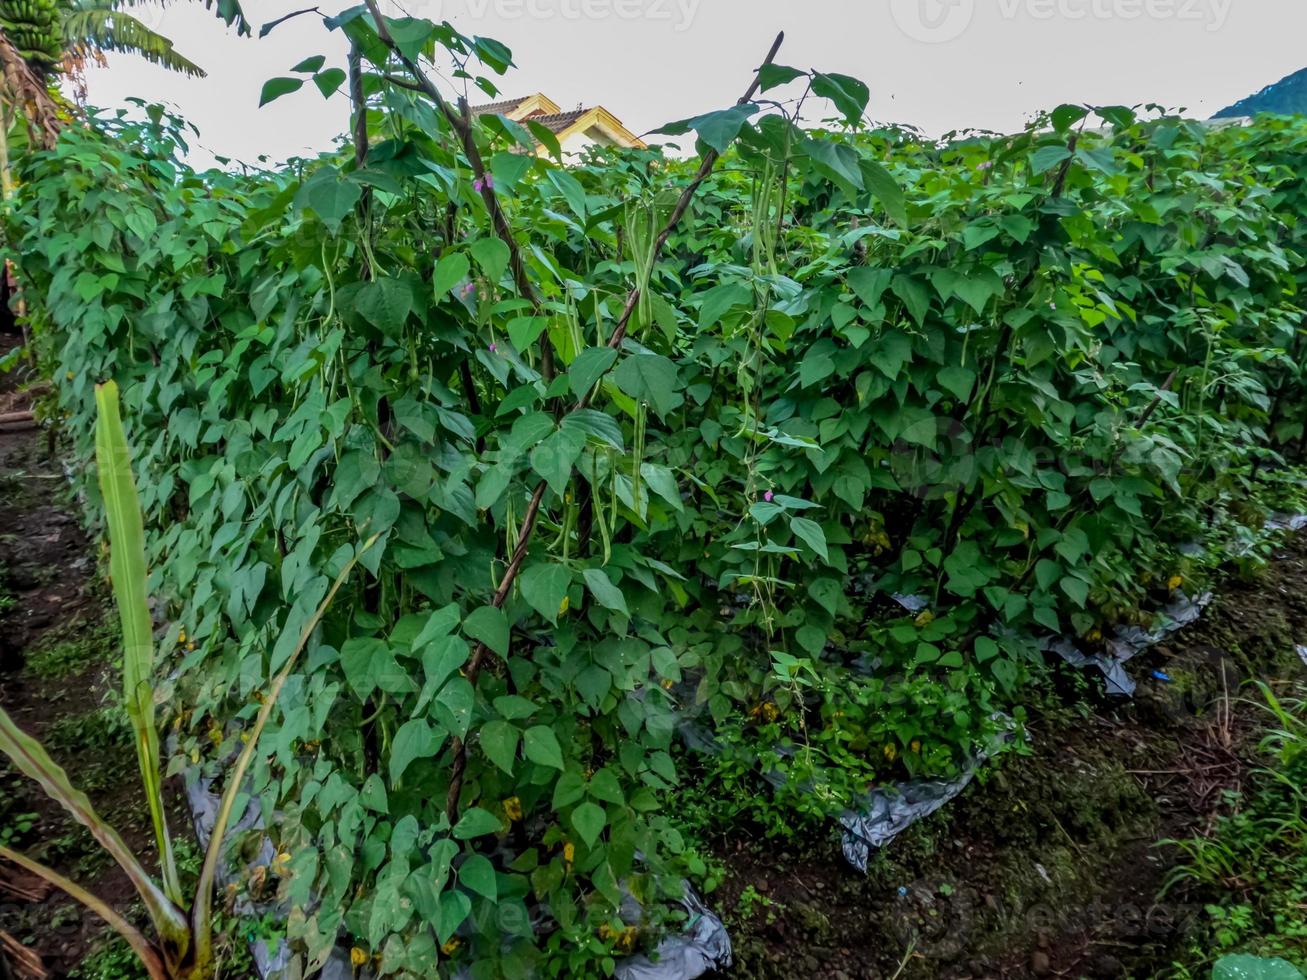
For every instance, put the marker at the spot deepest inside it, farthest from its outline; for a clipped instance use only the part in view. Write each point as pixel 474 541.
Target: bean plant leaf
pixel 540 745
pixel 811 534
pixel 385 303
pixel 330 196
pixel 311 64
pixel 836 161
pixel 275 88
pixel 849 95
pixel 772 76
pixel 477 874
pixel 451 269
pixel 415 740
pixel 589 819
pixel 590 365
pixel 554 458
pixel 651 378
pixel 958 380
pixel 499 741
pixel 329 81
pixel 715 129
pixel 882 184
pixel 489 626
pixel 476 822
pixel 1048 157
pixel 603 589
pixel 491 255
pixel 543 587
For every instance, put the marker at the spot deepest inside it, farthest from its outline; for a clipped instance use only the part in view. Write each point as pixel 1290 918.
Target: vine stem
pixel 461 122
pixel 529 519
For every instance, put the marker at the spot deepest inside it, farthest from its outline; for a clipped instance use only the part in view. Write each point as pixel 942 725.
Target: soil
pixel 57 646
pixel 1051 864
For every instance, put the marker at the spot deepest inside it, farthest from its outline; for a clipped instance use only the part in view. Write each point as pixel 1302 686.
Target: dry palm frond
pixel 28 93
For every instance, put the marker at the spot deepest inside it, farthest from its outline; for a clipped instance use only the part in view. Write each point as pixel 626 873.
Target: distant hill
pixel 1286 97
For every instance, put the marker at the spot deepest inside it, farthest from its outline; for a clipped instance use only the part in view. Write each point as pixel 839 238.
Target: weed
pixel 1252 869
pixel 114 960
pixel 74 648
pixel 102 728
pixel 16 827
pixel 76 849
pixel 7 600
pixel 752 901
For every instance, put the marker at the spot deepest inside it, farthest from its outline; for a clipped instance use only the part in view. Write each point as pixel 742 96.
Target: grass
pixel 100 729
pixel 7 601
pixel 113 960
pixel 1250 873
pixel 74 648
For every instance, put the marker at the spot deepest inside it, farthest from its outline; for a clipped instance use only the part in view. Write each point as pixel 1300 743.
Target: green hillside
pixel 1286 97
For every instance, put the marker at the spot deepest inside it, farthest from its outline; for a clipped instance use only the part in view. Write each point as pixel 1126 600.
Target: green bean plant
pixel 650 442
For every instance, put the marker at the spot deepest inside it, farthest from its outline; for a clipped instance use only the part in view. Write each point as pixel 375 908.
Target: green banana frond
pixel 96 26
pixel 229 11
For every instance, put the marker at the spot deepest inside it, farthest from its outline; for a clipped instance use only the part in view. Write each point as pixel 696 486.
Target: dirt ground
pixel 57 680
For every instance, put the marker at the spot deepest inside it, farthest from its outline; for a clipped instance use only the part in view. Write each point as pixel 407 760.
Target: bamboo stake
pixel 461 122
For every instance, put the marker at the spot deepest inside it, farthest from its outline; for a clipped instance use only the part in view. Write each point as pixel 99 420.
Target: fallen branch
pixel 29 888
pixel 26 963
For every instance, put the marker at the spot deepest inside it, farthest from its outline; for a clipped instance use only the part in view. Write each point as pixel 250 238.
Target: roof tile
pixel 503 105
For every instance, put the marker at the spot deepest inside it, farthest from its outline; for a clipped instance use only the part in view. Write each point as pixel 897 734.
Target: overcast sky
pixel 936 64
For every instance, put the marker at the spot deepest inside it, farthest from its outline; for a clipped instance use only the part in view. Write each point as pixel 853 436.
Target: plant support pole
pixel 533 511
pixel 461 122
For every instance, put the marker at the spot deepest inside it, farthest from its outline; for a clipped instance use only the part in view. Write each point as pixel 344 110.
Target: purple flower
pixel 485 183
pixel 493 347
pixel 987 165
pixel 768 496
pixel 469 290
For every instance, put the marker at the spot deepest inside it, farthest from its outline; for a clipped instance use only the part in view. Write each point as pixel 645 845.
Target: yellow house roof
pixel 541 109
pixel 519 109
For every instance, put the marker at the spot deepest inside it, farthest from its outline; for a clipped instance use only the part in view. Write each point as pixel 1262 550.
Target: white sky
pixel 937 64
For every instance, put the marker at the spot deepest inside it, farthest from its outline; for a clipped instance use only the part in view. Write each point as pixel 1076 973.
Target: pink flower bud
pixel 768 496
pixel 493 348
